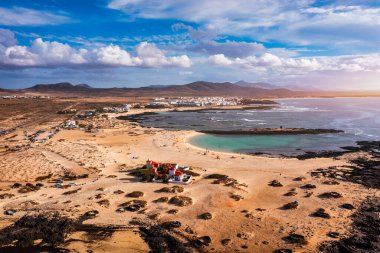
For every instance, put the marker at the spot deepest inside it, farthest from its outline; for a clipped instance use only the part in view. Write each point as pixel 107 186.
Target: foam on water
pixel 252 120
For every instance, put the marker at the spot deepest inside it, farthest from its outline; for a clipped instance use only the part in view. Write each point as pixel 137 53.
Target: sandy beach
pixel 255 223
pixel 245 126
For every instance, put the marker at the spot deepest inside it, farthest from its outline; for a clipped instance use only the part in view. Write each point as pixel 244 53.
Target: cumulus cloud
pixel 55 54
pixel 273 64
pixel 153 57
pixel 220 59
pixel 18 16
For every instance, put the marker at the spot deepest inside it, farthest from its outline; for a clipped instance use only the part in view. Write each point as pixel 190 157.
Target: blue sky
pixel 329 44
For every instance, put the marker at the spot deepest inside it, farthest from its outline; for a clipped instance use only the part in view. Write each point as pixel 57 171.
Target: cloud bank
pixel 55 54
pixel 269 63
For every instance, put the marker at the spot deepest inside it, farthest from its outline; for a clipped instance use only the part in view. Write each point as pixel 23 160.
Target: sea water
pixel 359 118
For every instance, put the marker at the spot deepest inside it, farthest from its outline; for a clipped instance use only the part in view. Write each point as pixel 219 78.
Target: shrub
pixel 216 176
pixel 133 205
pixel 51 228
pixel 181 201
pixel 72 192
pixel 42 178
pixel 135 194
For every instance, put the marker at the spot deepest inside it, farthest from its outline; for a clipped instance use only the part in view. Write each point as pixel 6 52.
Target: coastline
pixel 115 151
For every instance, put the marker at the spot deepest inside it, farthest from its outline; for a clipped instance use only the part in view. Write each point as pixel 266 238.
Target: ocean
pixel 359 118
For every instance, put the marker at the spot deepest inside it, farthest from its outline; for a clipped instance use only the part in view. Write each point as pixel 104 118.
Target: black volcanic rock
pixel 273 131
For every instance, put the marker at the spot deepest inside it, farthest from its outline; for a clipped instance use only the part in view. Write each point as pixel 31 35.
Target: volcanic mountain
pixel 58 87
pixel 200 88
pixel 257 85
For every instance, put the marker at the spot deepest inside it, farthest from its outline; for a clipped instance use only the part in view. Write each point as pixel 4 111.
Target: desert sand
pixel 255 223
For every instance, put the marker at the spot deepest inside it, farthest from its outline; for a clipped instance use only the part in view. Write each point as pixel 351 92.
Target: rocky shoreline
pixel 363 236
pixel 137 118
pixel 240 108
pixel 372 147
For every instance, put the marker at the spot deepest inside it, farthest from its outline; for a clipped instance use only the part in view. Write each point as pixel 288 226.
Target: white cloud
pixel 17 56
pixel 203 40
pixel 153 57
pixel 18 16
pixel 220 59
pixel 257 12
pixel 55 54
pixel 296 22
pixel 334 25
pixel 7 38
pixel 273 64
pixel 112 55
pixel 228 48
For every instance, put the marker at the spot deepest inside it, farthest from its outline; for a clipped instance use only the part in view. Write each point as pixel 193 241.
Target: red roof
pixel 153 163
pixel 178 173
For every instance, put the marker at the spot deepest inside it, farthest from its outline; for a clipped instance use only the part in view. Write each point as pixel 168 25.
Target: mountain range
pixel 257 85
pixel 62 87
pixel 199 88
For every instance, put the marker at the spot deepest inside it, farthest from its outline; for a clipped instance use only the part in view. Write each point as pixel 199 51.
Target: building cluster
pixel 117 109
pixel 157 105
pixel 24 97
pixel 193 102
pixel 68 111
pixel 170 172
pixel 86 114
pixel 69 124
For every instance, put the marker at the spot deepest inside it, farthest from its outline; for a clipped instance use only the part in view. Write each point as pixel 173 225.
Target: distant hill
pixel 202 88
pixel 199 88
pixel 58 87
pixel 257 85
pixel 271 86
pixel 4 92
pixel 303 88
pixel 83 85
pixel 157 86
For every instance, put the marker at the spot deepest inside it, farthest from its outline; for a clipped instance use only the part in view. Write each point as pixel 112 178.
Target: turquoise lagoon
pixel 359 118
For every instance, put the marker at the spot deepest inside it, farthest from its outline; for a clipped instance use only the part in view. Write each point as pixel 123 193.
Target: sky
pixel 324 44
